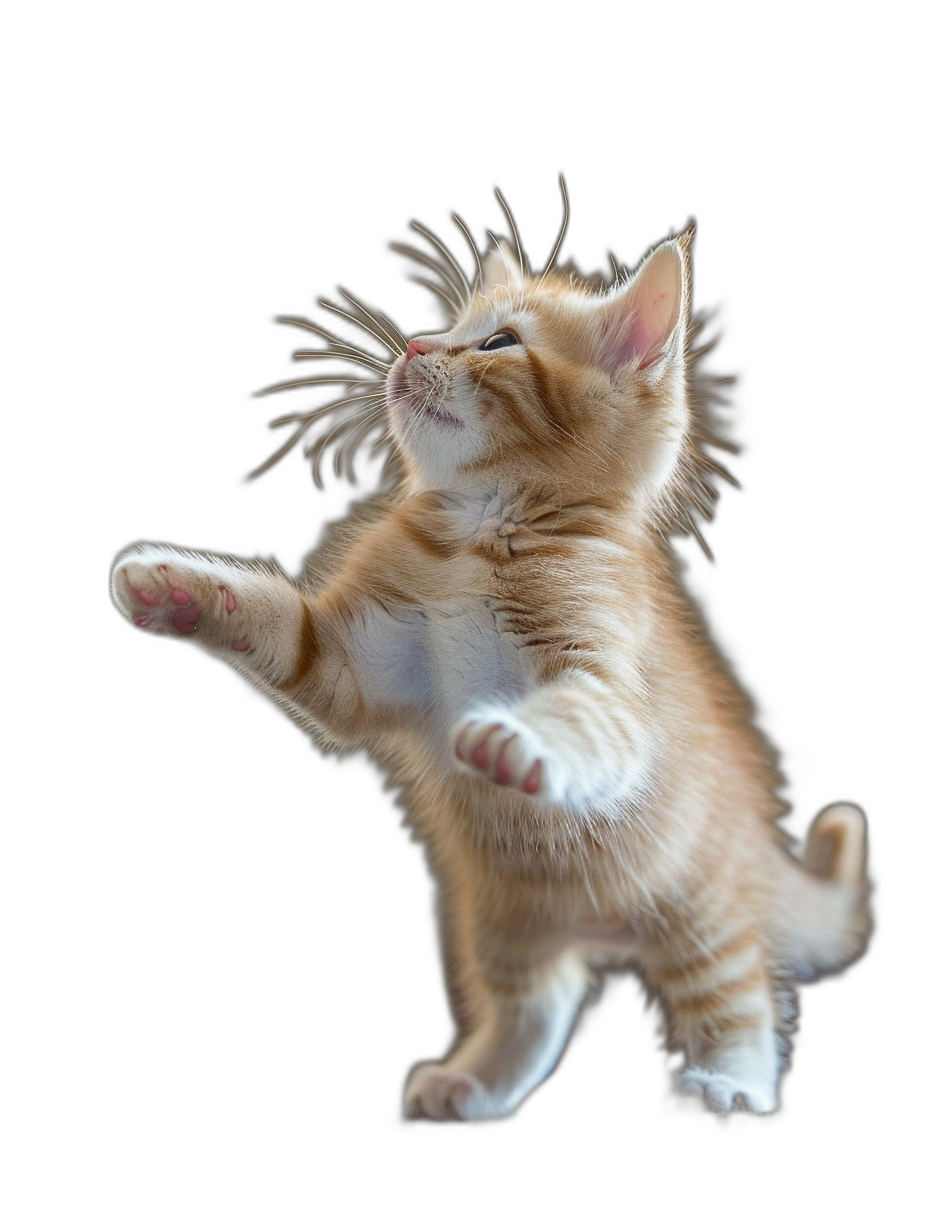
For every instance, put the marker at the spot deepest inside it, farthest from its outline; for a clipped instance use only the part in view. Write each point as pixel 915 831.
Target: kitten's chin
pixel 413 404
pixel 415 414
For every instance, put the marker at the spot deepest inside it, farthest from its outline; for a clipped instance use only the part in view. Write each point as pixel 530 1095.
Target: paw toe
pixel 724 1094
pixel 436 1093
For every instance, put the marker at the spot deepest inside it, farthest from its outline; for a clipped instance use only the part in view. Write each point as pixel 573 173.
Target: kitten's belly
pixel 616 936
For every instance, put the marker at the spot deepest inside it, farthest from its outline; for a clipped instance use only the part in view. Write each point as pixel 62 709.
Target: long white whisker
pixel 343 349
pixel 515 233
pixel 414 254
pixel 351 443
pixel 446 252
pixel 312 416
pixel 309 380
pixel 390 340
pixel 478 267
pixel 318 448
pixel 404 342
pixel 563 231
pixel 387 342
pixel 298 322
pixel 451 304
pixel 349 353
pixel 279 453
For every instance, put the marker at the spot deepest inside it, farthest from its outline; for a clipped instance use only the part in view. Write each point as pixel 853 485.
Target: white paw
pixel 724 1094
pixel 492 743
pixel 168 591
pixel 438 1093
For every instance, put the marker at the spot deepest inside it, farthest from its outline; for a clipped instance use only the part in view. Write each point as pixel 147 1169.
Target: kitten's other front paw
pixel 493 744
pixel 439 1093
pixel 724 1094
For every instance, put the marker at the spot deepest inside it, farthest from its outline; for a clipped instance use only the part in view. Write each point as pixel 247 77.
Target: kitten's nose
pixel 418 348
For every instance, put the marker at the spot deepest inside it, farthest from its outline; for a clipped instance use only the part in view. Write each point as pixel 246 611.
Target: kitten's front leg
pixel 574 743
pixel 244 612
pixel 315 653
pixel 492 743
pixel 287 642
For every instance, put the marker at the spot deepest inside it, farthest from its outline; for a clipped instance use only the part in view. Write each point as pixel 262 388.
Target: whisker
pixel 346 352
pixel 350 445
pixel 312 416
pixel 342 348
pixel 305 420
pixel 389 327
pixel 318 448
pixel 478 267
pixel 348 316
pixel 563 231
pixel 306 380
pixel 303 323
pixel 515 233
pixel 279 453
pixel 453 307
pixel 414 254
pixel 446 252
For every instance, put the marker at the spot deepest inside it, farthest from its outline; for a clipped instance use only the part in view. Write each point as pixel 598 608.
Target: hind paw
pixel 439 1093
pixel 724 1094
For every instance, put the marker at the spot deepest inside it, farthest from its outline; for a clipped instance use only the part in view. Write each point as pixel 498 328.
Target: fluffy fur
pixel 505 630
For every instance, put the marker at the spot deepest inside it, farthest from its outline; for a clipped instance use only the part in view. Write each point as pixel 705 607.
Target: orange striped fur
pixel 506 631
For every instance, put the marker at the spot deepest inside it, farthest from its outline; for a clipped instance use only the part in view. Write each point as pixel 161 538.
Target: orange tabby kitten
pixel 505 630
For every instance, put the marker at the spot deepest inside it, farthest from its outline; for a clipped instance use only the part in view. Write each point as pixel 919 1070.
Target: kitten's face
pixel 547 382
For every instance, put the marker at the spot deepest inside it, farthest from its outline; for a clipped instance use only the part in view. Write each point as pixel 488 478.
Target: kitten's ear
pixel 502 268
pixel 646 319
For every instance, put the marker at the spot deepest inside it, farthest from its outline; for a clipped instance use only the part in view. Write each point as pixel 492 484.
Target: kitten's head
pixel 550 383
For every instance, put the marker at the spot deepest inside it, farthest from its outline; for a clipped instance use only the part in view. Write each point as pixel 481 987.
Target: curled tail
pixel 826 908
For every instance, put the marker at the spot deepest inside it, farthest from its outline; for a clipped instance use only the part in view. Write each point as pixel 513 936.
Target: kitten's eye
pixel 500 340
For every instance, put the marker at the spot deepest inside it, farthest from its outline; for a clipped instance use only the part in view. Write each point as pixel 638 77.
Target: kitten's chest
pixel 471 654
pixel 475 654
pixel 444 637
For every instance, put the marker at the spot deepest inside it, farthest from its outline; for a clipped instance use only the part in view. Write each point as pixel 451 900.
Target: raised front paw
pixel 493 744
pixel 437 1092
pixel 723 1093
pixel 167 591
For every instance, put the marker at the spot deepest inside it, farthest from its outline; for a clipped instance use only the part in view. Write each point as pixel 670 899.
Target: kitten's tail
pixel 827 907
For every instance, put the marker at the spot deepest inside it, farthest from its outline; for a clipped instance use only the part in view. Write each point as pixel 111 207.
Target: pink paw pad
pixel 148 597
pixel 187 616
pixel 241 643
pixel 532 783
pixel 498 755
pixel 480 755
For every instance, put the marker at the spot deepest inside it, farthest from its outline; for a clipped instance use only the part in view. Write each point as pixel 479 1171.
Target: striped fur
pixel 506 631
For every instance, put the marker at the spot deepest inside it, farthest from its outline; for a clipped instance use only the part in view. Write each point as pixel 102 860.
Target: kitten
pixel 504 629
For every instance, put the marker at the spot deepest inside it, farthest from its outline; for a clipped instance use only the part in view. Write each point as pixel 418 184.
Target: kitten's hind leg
pixel 521 1019
pixel 722 1010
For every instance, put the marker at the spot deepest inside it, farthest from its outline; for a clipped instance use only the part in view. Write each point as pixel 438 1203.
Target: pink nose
pixel 418 348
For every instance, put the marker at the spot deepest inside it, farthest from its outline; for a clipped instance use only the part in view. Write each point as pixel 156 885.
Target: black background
pixel 261 964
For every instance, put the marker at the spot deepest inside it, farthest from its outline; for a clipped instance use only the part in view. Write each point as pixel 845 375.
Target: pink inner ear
pixel 644 318
pixel 647 332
